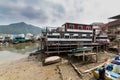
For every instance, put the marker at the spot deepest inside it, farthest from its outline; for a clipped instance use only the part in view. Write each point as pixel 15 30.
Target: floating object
pixel 52 59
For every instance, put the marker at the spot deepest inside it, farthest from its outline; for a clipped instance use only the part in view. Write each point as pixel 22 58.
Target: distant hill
pixel 18 28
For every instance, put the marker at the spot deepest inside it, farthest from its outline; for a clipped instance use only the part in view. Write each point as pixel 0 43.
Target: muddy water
pixel 12 52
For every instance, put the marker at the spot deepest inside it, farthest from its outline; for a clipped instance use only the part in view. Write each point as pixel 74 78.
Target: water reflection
pixel 21 48
pixel 6 56
pixel 13 52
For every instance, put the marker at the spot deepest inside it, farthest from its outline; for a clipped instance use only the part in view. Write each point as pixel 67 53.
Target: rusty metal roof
pixel 115 17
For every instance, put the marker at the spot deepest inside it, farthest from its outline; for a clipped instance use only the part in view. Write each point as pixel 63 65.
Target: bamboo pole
pixel 76 69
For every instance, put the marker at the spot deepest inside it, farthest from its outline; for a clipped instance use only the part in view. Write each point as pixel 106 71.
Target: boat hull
pixel 51 60
pixel 96 75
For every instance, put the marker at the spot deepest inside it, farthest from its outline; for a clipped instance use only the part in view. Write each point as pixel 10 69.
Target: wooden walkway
pixel 48 52
pixel 83 54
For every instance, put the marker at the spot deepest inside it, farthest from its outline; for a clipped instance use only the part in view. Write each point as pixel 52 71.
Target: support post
pixel 97 55
pixel 83 56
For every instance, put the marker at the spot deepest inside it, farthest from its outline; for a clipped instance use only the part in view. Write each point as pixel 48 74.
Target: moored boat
pixel 112 70
pixel 52 59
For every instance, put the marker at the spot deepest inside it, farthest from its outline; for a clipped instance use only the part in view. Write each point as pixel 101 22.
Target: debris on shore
pixel 67 72
pixel 52 59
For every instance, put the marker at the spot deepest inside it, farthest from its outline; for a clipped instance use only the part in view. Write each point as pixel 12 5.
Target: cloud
pixel 57 12
pixel 31 13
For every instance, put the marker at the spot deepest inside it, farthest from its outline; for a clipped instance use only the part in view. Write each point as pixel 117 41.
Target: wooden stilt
pixel 76 69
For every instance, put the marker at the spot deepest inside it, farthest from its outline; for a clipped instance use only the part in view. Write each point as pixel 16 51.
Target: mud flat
pixel 28 70
pixel 32 69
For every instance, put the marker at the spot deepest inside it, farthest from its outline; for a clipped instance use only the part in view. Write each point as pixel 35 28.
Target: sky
pixel 54 13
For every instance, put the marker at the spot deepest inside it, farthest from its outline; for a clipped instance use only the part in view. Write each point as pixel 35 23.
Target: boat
pixel 112 71
pixel 52 59
pixel 18 39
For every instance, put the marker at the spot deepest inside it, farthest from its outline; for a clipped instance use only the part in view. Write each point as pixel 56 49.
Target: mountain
pixel 18 28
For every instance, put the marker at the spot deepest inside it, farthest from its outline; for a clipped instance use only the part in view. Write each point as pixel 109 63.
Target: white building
pixel 29 36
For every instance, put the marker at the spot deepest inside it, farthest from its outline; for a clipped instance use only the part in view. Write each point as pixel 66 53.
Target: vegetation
pixel 18 28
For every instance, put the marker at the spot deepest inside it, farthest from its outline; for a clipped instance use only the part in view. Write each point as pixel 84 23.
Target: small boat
pixel 112 71
pixel 15 42
pixel 52 59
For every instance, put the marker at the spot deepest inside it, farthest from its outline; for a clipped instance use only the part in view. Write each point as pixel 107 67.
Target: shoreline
pixel 32 69
pixel 12 53
pixel 6 64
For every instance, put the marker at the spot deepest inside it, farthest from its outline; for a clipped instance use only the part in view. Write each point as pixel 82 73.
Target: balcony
pixel 70 39
pixel 118 36
pixel 118 29
pixel 82 31
pixel 111 35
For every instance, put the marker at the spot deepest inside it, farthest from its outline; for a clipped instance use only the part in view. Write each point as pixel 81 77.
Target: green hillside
pixel 18 28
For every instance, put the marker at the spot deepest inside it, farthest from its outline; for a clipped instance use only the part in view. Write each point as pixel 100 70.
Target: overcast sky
pixel 57 12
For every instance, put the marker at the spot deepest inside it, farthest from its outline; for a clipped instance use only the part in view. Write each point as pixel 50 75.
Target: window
pixel 71 35
pixel 67 37
pixel 80 27
pixel 71 26
pixel 88 35
pixel 62 35
pixel 79 35
pixel 88 27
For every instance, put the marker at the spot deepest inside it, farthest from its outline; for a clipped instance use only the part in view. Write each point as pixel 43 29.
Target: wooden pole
pixel 76 69
pixel 97 55
pixel 83 56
